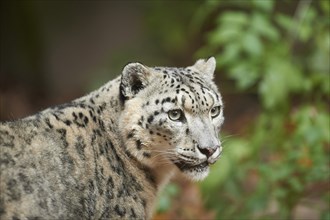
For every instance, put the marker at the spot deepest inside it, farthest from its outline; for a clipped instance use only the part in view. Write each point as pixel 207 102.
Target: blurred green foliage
pixel 164 203
pixel 283 57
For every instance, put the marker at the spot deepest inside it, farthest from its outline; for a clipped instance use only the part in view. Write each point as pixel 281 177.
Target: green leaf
pixel 229 55
pixel 319 60
pixel 223 35
pixel 233 18
pixel 286 22
pixel 281 78
pixel 244 74
pixel 295 184
pixel 251 44
pixel 305 28
pixel 312 125
pixel 261 24
pixel 266 5
pixel 272 89
pixel 237 149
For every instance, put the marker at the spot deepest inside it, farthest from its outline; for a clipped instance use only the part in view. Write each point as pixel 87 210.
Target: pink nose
pixel 208 151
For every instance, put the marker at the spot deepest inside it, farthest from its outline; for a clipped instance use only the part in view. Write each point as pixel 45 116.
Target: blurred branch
pixel 298 19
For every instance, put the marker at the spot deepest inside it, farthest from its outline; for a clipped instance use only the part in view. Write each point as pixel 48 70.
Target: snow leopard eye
pixel 215 111
pixel 175 114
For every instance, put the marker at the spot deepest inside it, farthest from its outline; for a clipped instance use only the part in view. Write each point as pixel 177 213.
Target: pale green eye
pixel 215 111
pixel 175 114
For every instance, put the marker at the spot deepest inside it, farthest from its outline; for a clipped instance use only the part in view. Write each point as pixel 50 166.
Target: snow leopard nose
pixel 208 151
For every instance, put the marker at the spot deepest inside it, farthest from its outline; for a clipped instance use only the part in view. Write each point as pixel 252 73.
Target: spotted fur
pixel 108 154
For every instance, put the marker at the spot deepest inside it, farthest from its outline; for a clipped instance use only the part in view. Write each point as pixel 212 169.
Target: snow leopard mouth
pixel 184 166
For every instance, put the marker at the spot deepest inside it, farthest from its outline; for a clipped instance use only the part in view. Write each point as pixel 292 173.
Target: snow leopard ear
pixel 134 78
pixel 206 67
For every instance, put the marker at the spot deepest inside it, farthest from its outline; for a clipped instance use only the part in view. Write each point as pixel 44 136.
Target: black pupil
pixel 175 114
pixel 214 110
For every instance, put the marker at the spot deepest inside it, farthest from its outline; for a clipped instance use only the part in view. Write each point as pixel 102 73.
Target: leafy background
pixel 272 69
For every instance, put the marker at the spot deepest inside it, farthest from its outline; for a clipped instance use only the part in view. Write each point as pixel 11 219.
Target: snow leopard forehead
pixel 187 87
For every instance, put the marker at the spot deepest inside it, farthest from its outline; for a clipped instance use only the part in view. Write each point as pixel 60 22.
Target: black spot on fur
pixel 110 186
pixel 62 133
pixel 133 215
pixel 74 115
pixel 150 119
pixel 80 146
pixel 145 154
pixel 130 134
pixel 86 120
pixel 121 211
pixel 6 139
pixel 138 144
pixel 79 119
pixel 48 123
pixel 106 213
pixel 56 117
pixel 89 201
pixel 7 160
pixel 26 183
pixel 14 192
pixel 144 203
pixel 122 192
